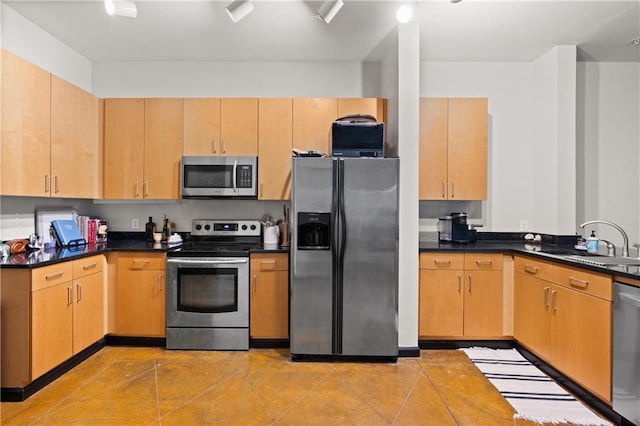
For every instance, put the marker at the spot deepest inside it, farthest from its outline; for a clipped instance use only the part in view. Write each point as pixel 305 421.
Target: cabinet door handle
pixel 459 283
pixel 56 275
pixel 553 300
pixel 160 282
pixel 443 189
pixel 575 282
pixel 261 190
pixel 255 283
pixel 546 297
pixel 483 262
pixel 453 190
pixel 271 262
pixel 69 296
pixel 146 189
pixel 469 282
pixel 531 269
pixel 224 146
pixel 213 145
pixel 47 183
pixel 89 266
pixel 141 261
pixel 79 291
pixel 57 184
pixel 137 189
pixel 442 262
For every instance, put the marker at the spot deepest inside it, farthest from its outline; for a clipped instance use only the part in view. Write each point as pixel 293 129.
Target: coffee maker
pixel 459 228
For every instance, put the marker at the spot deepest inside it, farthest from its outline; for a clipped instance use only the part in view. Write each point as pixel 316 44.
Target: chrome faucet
pixel 625 244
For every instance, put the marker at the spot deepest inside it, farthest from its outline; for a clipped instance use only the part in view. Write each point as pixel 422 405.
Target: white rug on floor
pixel 533 395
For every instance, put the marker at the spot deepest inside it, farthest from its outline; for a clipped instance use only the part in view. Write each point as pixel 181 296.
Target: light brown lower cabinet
pixel 461 295
pixel 140 295
pixel 563 315
pixel 48 315
pixel 269 296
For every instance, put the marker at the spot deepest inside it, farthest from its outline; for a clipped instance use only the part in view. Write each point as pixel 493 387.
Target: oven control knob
pixel 207 227
pixel 244 227
pixel 253 227
pixel 198 227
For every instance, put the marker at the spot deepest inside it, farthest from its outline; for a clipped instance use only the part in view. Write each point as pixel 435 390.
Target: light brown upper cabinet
pixel 26 128
pixel 239 126
pixel 163 120
pixel 453 148
pixel 275 118
pixel 123 148
pixel 227 126
pixel 312 119
pixel 75 159
pixel 201 126
pixel 49 134
pixel 142 148
pixel 370 106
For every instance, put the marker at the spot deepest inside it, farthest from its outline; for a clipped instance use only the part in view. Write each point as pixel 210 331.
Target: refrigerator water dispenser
pixel 314 230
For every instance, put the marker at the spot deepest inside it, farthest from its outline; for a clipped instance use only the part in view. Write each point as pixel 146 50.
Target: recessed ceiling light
pixel 404 14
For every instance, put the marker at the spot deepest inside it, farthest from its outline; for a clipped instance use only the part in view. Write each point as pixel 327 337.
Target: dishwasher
pixel 626 351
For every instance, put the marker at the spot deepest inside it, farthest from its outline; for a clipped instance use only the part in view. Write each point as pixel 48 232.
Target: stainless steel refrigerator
pixel 344 257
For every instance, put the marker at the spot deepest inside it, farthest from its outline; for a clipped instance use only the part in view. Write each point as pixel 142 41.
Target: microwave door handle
pixel 235 167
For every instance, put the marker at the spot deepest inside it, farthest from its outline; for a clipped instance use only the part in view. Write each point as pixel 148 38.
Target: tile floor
pixel 152 386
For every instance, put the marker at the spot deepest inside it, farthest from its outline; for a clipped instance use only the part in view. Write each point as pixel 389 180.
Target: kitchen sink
pixel 598 260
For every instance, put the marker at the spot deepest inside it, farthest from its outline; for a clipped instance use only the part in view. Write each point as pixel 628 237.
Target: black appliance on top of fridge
pixel 344 258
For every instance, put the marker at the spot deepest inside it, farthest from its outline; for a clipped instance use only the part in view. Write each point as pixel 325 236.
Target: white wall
pixel 408 151
pixel 228 79
pixel 30 42
pixel 554 194
pixel 609 147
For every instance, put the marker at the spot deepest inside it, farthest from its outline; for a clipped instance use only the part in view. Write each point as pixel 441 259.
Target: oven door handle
pixel 208 261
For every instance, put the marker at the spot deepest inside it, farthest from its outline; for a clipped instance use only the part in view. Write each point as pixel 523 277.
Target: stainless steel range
pixel 208 286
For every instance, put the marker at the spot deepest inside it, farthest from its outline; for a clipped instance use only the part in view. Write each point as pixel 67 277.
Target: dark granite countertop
pixel 119 241
pixel 551 248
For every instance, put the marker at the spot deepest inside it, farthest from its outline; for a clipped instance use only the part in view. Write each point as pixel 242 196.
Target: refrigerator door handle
pixel 335 261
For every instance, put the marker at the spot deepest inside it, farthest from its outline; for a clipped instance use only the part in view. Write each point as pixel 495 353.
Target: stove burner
pixel 236 239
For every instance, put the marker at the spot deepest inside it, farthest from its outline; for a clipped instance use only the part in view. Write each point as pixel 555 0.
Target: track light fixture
pixel 329 9
pixel 239 9
pixel 127 9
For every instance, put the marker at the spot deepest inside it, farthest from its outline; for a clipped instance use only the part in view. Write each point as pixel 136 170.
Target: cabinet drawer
pixel 51 275
pixel 87 266
pixel 139 261
pixel 598 285
pixel 269 262
pixel 441 260
pixel 533 267
pixel 483 262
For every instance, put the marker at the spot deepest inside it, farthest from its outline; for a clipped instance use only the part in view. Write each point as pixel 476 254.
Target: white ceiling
pixel 473 30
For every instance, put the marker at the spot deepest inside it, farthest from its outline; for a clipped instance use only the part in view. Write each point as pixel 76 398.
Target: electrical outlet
pixel 523 225
pixel 135 223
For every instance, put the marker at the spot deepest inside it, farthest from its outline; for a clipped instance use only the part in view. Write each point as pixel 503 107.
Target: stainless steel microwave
pixel 209 176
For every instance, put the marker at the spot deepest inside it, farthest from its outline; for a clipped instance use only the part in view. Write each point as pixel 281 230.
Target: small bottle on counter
pixel 593 244
pixel 165 229
pixel 149 229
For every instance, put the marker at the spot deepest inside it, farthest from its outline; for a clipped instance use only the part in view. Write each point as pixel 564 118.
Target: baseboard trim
pixel 142 342
pixel 20 394
pixel 459 344
pixel 268 343
pixel 409 352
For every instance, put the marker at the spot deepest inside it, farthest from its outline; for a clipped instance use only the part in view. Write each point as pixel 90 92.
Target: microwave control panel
pixel 244 175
